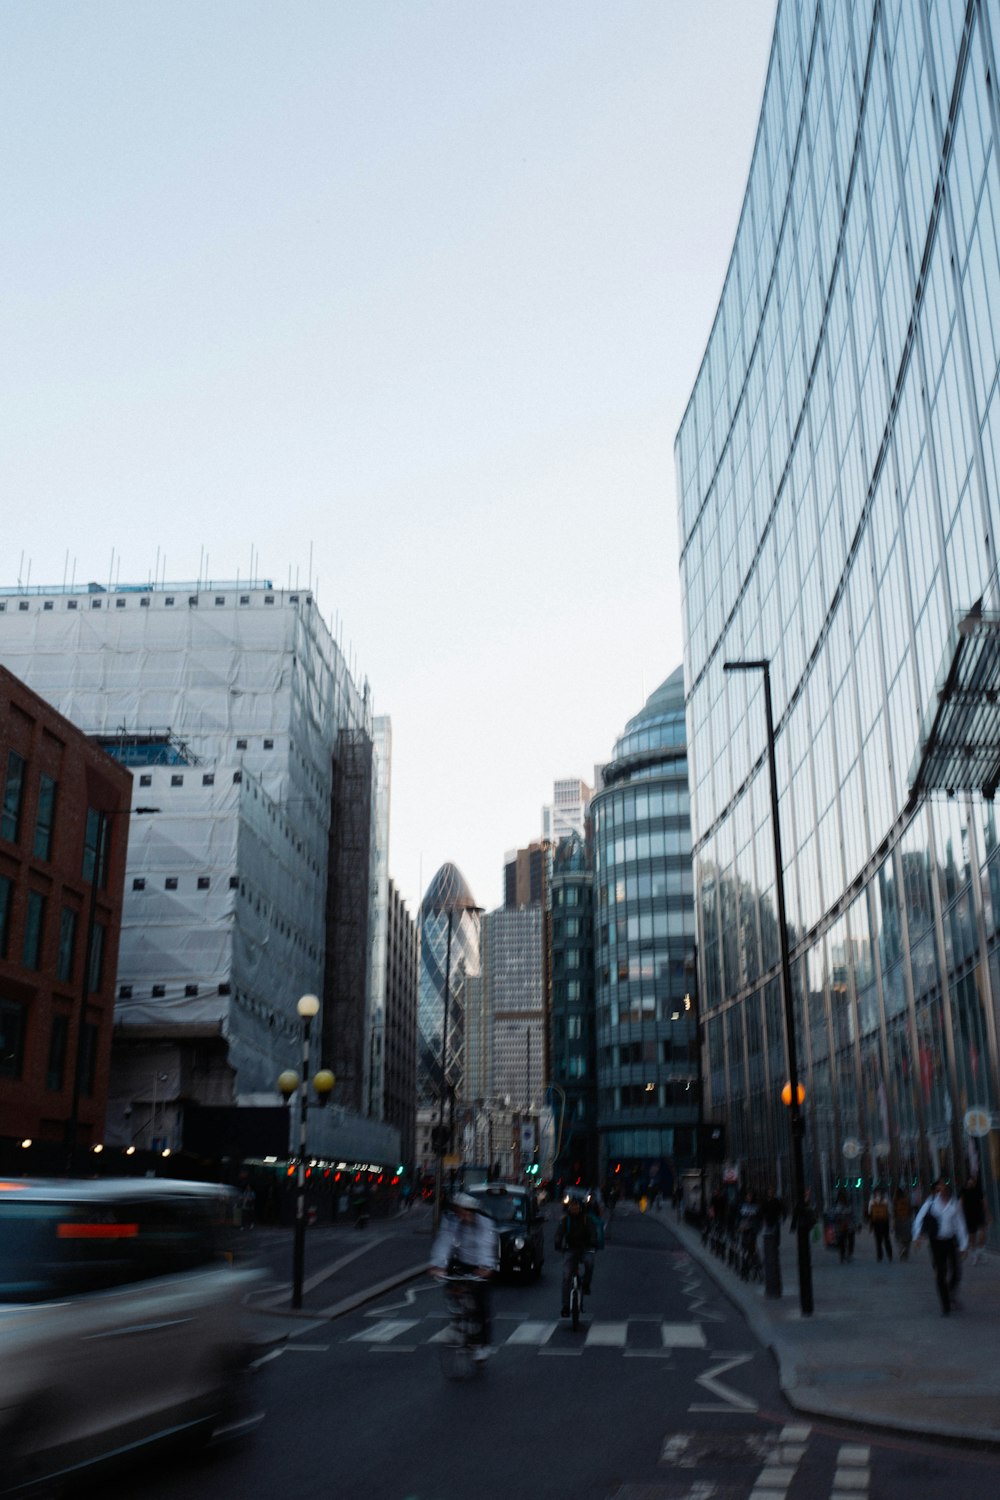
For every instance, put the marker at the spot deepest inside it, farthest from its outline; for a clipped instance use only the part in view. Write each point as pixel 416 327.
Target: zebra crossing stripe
pixel 382 1332
pixel 613 1334
pixel 682 1335
pixel 532 1333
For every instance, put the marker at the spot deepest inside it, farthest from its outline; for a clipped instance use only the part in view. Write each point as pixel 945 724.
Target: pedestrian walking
pixel 771 1214
pixel 976 1217
pixel 843 1227
pixel 942 1221
pixel 902 1221
pixel 879 1222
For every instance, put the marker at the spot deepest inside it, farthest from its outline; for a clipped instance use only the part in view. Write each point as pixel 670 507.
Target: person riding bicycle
pixel 576 1237
pixel 467 1246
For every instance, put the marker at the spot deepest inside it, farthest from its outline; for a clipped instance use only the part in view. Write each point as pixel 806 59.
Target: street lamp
pixel 288 1082
pixel 794 1101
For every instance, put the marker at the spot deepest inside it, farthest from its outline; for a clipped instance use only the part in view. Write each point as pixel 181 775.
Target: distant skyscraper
pixel 525 875
pixel 448 902
pixel 572 1028
pixel 567 812
pixel 400 1070
pixel 645 944
pixel 513 983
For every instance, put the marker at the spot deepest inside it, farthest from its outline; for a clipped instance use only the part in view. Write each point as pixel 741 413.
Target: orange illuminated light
pixel 97 1231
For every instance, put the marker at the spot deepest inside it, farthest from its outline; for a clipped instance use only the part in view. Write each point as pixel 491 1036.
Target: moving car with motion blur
pixel 121 1322
pixel 519 1225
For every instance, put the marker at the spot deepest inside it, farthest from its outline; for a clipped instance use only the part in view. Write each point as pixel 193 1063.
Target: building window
pixel 67 945
pixel 45 816
pixel 208 779
pixel 168 601
pixel 237 776
pixel 220 599
pixel 268 598
pixel 193 601
pixel 6 902
pixel 170 884
pixel 11 1039
pixel 34 923
pixel 224 989
pixel 241 744
pixel 268 744
pixel 145 779
pixel 244 598
pixel 143 603
pixel 203 882
pixel 95 971
pixel 124 992
pixel 47 604
pixel 23 604
pixel 191 991
pixel 177 780
pixel 234 882
pixel 139 883
pixel 159 991
pixel 119 604
pixel 95 603
pixel 95 834
pixel 55 1071
pixel 71 604
pixel 10 817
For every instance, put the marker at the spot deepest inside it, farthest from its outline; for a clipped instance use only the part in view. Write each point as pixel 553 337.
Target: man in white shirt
pixel 941 1220
pixel 467 1246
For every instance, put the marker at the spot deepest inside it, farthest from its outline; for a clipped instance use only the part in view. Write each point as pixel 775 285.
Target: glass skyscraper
pixel 447 906
pixel 644 943
pixel 840 507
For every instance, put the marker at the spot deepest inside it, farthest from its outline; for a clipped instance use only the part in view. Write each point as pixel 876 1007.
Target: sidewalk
pixel 876 1350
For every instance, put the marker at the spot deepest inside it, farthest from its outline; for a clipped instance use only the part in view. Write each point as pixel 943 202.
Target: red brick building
pixel 64 811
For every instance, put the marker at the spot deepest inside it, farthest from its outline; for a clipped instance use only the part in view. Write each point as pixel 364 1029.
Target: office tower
pixel 249 881
pixel 839 507
pixel 644 947
pixel 449 951
pixel 572 1024
pixel 525 875
pixel 400 1072
pixel 567 812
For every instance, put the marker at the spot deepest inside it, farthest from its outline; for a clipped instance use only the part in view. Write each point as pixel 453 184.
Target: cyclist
pixel 576 1237
pixel 467 1246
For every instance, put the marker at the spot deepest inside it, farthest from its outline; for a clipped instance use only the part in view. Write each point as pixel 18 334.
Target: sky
pixel 401 298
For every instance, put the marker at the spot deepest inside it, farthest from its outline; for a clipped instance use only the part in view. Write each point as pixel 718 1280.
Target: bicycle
pixel 459 1345
pixel 576 1293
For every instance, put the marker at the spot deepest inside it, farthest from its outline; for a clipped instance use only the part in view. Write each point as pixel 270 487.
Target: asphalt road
pixel 663 1394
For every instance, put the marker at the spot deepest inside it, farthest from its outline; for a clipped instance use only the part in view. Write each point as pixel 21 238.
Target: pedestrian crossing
pixel 639 1336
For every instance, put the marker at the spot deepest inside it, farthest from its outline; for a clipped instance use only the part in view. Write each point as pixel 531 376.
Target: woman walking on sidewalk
pixel 943 1222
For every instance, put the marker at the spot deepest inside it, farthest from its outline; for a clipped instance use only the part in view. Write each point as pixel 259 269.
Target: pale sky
pixel 416 287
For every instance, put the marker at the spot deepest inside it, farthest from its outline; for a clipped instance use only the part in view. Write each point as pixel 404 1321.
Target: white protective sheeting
pixel 225 889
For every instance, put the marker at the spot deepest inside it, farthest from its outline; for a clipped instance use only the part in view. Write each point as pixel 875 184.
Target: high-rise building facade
pixel 449 952
pixel 513 975
pixel 839 490
pixel 525 875
pixel 250 877
pixel 644 947
pixel 400 1070
pixel 572 1020
pixel 567 812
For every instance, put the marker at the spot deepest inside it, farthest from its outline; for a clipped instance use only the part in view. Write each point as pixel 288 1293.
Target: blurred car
pixel 519 1224
pixel 121 1322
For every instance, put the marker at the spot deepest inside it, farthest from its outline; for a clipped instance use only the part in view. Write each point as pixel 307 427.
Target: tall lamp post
pixel 795 1093
pixel 308 1008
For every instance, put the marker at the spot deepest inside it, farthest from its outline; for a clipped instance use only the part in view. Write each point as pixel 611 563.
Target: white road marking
pixel 532 1333
pixel 682 1335
pixel 608 1334
pixel 381 1333
pixel 733 1400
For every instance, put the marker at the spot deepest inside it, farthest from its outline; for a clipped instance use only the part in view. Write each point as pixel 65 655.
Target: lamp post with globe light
pixel 288 1082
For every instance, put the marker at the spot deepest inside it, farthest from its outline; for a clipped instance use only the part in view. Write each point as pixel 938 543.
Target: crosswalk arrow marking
pixel 734 1400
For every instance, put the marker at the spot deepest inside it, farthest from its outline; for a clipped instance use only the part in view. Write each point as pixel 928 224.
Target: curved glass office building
pixel 644 946
pixel 839 491
pixel 448 916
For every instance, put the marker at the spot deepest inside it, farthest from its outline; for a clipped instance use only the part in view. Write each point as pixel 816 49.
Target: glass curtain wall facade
pixel 573 1067
pixel 839 508
pixel 448 895
pixel 647 1101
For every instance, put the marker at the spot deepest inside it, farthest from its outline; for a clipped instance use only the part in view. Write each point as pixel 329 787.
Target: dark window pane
pixel 67 944
pixel 34 922
pixel 45 816
pixel 10 816
pixel 96 958
pixel 88 1059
